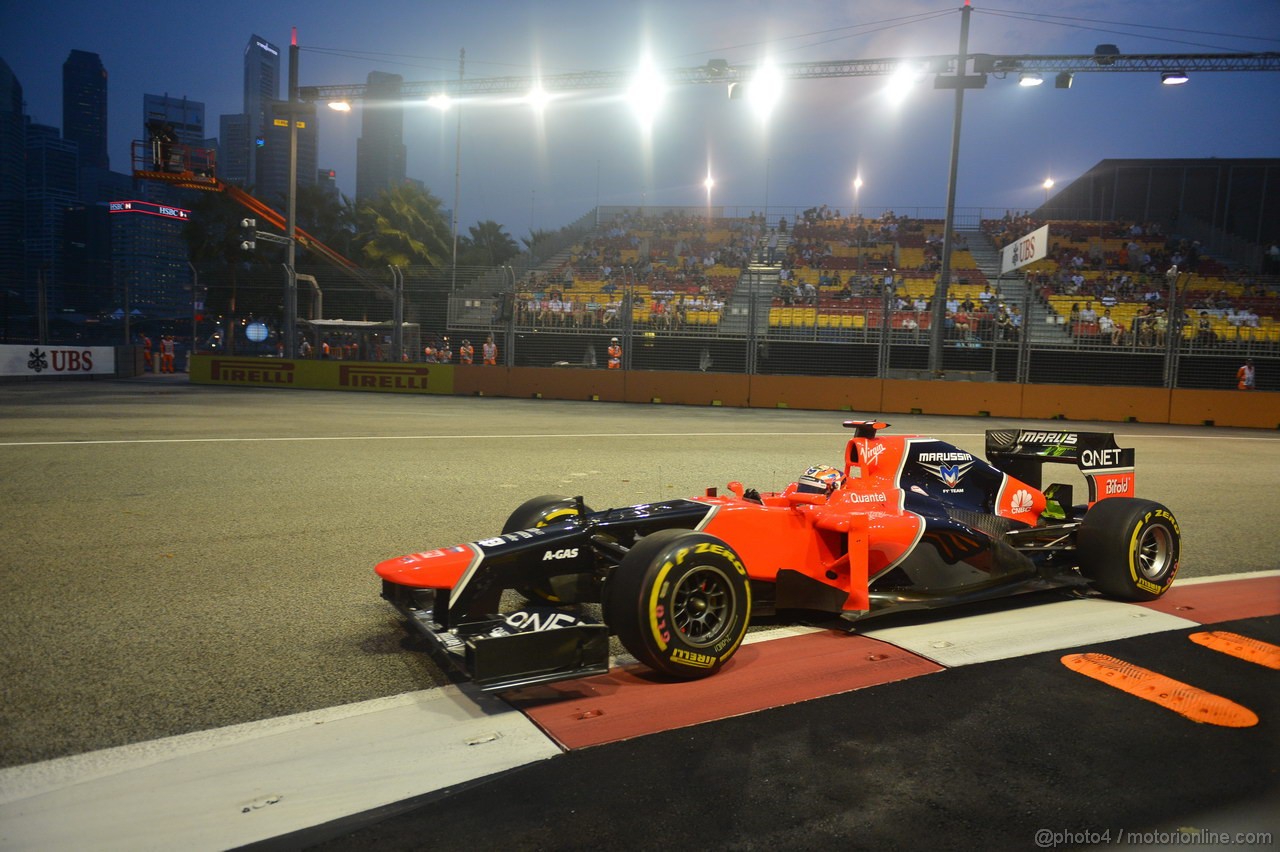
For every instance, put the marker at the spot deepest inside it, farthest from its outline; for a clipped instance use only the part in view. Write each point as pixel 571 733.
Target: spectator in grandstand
pixel 1004 326
pixel 1088 315
pixel 1204 330
pixel 1143 325
pixel 1015 314
pixel 1107 327
pixel 1159 327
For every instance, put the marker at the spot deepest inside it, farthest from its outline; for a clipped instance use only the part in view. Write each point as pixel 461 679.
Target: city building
pixel 273 157
pixel 52 188
pixel 13 189
pixel 242 135
pixel 380 150
pixel 185 116
pixel 149 256
pixel 84 107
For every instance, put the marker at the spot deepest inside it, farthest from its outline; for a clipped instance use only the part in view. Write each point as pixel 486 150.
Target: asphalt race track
pixel 180 559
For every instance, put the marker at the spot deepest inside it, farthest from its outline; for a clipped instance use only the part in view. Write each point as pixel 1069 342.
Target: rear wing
pixel 1022 453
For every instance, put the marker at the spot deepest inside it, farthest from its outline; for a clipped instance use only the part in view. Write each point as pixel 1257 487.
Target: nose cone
pixel 434 569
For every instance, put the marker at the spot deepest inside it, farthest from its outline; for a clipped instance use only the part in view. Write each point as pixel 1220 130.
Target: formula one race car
pixel 909 523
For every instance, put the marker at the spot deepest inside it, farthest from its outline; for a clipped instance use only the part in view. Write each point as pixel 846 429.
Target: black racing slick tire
pixel 539 512
pixel 679 602
pixel 1129 548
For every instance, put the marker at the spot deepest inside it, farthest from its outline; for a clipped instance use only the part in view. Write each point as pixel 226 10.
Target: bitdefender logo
pixel 383 376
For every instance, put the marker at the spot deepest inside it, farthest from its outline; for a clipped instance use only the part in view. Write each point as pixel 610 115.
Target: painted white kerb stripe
pixel 226 788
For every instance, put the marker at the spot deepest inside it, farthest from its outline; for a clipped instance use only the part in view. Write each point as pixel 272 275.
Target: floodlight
pixel 1027 78
pixel 1174 78
pixel 340 106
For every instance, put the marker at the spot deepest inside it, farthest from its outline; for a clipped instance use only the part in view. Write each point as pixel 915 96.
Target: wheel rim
pixel 1154 552
pixel 702 606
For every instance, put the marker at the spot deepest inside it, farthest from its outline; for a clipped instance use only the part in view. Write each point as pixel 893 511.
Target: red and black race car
pixel 909 522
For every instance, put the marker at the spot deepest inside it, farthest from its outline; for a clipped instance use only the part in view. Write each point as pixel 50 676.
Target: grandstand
pixel 677 286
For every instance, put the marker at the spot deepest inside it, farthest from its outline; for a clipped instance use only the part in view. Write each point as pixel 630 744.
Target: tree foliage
pixel 486 245
pixel 403 226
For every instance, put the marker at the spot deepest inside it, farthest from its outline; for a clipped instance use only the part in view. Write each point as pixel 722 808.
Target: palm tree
pixel 537 241
pixel 487 245
pixel 403 226
pixel 327 216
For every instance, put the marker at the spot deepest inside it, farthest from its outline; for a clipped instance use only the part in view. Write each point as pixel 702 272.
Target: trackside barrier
pixel 1256 409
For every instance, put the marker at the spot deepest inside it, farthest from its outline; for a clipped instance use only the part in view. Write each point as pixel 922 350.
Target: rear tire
pixel 1129 548
pixel 540 512
pixel 680 603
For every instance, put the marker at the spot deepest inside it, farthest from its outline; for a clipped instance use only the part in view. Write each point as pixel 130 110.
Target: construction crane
pixel 189 167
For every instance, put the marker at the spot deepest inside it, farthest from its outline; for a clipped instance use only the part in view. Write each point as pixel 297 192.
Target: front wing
pixel 522 648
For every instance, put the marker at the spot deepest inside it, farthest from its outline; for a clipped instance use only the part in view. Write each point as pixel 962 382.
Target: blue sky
pixel 524 171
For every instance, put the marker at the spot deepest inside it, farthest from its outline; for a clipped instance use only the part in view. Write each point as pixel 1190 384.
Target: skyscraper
pixel 185 116
pixel 272 185
pixel 240 135
pixel 235 149
pixel 84 106
pixel 380 151
pixel 13 182
pixel 53 186
pixel 261 87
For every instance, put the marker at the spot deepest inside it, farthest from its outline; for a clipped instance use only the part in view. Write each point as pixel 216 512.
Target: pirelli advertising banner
pixel 322 375
pixel 36 360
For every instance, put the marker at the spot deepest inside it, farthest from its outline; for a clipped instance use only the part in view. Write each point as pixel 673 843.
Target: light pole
pixel 960 82
pixel 457 169
pixel 857 217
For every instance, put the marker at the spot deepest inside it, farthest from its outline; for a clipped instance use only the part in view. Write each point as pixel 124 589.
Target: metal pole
pixel 938 315
pixel 290 330
pixel 397 315
pixel 457 169
pixel 195 296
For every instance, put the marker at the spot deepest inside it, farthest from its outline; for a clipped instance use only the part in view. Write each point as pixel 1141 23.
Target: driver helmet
pixel 820 479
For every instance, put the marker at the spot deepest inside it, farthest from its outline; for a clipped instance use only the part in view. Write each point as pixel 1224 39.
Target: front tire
pixel 679 602
pixel 535 513
pixel 1129 548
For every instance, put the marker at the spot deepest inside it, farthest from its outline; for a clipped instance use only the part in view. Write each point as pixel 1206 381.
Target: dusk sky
pixel 524 171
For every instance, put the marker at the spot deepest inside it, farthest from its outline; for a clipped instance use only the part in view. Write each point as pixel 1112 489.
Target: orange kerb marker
pixel 1184 699
pixel 1253 650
